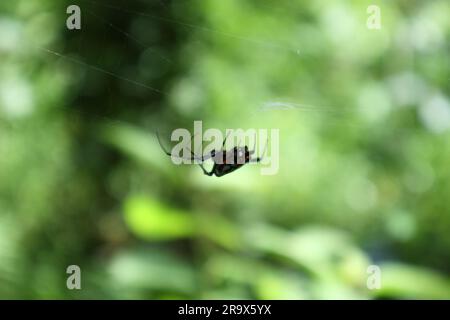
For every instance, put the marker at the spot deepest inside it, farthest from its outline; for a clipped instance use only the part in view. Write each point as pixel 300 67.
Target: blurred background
pixel 364 149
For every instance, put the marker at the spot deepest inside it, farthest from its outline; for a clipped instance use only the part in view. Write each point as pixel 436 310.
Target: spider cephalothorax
pixel 224 161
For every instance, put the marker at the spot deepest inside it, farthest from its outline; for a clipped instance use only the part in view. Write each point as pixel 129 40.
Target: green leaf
pixel 150 219
pixel 405 281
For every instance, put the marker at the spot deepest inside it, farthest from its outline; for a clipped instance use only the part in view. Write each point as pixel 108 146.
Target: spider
pixel 225 162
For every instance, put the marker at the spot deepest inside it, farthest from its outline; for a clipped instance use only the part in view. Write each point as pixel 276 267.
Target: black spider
pixel 224 161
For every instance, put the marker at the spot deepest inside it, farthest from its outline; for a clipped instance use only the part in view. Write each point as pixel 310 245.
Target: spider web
pixel 340 114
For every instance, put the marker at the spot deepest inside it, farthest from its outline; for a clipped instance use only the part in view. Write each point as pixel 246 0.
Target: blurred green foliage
pixel 364 156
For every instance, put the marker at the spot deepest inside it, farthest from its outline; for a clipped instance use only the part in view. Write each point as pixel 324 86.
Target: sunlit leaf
pixel 150 219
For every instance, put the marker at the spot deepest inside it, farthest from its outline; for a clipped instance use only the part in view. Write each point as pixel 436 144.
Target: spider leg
pixel 254 147
pixel 225 140
pixel 258 159
pixel 202 167
pixel 193 158
pixel 206 172
pixel 160 144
